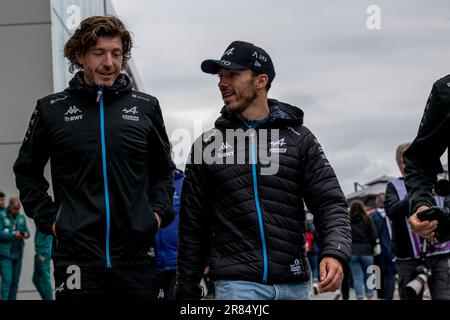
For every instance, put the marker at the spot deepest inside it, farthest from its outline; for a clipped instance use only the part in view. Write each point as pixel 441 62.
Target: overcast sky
pixel 363 91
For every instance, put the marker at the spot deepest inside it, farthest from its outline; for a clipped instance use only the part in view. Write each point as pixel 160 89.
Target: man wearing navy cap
pixel 245 222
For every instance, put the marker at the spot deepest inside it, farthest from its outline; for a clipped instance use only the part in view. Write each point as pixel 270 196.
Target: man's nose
pixel 108 61
pixel 222 83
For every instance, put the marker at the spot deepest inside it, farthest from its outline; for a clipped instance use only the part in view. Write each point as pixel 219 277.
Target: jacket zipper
pixel 105 174
pixel 256 195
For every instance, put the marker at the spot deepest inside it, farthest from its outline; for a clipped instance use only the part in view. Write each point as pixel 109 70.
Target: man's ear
pixel 261 81
pixel 80 58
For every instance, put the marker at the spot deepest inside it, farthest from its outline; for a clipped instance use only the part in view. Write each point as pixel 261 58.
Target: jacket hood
pixel 123 85
pixel 281 115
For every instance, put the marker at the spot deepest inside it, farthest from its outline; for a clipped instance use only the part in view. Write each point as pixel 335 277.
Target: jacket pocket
pixel 144 222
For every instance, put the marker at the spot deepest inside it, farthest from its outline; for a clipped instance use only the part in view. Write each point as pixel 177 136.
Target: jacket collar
pixel 122 86
pixel 281 115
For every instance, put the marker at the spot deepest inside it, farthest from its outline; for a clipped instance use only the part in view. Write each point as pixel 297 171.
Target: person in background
pixel 2 201
pixel 364 237
pixel 422 159
pixel 13 232
pixel 408 246
pixel 42 258
pixel 167 242
pixel 385 260
pixel 312 249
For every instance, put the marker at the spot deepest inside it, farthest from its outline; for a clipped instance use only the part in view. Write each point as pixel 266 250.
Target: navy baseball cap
pixel 241 55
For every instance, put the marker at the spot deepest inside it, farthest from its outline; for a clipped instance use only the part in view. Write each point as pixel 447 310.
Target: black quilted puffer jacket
pixel 248 223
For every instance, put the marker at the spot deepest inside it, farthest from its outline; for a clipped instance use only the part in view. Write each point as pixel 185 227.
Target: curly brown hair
pixel 87 33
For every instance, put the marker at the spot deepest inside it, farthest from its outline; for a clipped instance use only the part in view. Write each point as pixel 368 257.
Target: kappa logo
pixel 229 52
pixel 225 146
pixel 224 151
pixel 133 111
pixel 276 144
pixel 72 110
pixel 72 114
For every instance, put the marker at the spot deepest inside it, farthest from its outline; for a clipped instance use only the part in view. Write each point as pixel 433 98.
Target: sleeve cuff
pixel 166 215
pixel 44 223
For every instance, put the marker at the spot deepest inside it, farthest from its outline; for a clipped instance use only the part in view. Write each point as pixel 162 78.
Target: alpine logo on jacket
pixel 126 114
pixel 279 143
pixel 73 114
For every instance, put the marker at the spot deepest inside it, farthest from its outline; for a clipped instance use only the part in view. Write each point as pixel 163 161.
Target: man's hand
pixel 54 228
pixel 425 229
pixel 331 274
pixel 158 218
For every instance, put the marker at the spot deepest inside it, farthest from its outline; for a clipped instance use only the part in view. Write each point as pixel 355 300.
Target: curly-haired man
pixel 111 171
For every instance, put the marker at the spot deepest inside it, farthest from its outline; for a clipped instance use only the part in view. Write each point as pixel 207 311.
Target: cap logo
pixel 225 62
pixel 229 52
pixel 257 64
pixel 259 56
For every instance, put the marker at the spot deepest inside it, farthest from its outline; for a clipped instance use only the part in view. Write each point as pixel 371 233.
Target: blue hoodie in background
pixel 167 238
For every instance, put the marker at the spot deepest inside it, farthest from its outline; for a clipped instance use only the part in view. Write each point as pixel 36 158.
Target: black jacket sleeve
pixel 195 228
pixel 29 171
pixel 422 158
pixel 325 200
pixel 395 208
pixel 160 168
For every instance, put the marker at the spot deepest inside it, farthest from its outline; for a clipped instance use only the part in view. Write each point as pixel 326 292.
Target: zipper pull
pixel 99 93
pixel 252 135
